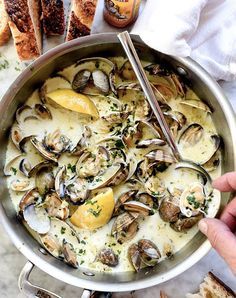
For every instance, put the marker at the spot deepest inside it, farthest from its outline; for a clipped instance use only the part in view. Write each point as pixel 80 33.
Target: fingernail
pixel 203 226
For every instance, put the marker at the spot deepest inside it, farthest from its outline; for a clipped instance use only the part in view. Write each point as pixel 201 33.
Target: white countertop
pixel 12 261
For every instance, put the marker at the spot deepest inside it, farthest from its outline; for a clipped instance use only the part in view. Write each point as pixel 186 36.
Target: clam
pixel 169 211
pixel 37 218
pixel 43 150
pixel 55 207
pixel 60 178
pixel 206 178
pixel 25 167
pixel 160 155
pixel 185 223
pixel 129 195
pixel 81 79
pixel 129 86
pixel 192 199
pixel 69 253
pixel 29 198
pixel 88 165
pixel 135 206
pixel 59 234
pixel 147 199
pixel 175 120
pixel 45 164
pixel 44 179
pixel 125 227
pixel 56 142
pixel 213 162
pixel 51 244
pixel 42 111
pixel 116 117
pixel 143 254
pixel 191 135
pixel 198 104
pixel 76 190
pixel 180 86
pixel 20 185
pixel 24 113
pixel 154 187
pixel 134 256
pixel 79 149
pixel 94 76
pixel 10 166
pixel 112 176
pixel 17 136
pixel 108 257
pixel 101 81
pixel 149 252
pixel 132 134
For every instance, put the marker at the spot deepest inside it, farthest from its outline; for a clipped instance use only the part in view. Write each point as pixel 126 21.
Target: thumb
pixel 221 239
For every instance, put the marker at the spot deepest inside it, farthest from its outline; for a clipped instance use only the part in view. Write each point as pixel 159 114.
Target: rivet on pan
pixel 43 251
pixel 88 273
pixel 182 71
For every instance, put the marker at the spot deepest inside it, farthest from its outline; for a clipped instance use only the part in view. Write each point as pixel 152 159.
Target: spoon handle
pixel 132 55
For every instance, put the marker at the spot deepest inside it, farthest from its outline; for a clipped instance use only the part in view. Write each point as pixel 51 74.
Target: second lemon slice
pixel 74 101
pixel 96 212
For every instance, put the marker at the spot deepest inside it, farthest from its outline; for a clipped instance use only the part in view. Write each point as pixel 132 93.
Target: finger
pixel 227 182
pixel 228 215
pixel 221 239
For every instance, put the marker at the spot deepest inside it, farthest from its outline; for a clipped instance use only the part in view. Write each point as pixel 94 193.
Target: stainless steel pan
pixel 33 76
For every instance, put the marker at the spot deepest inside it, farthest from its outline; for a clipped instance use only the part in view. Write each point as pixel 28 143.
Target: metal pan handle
pixel 32 291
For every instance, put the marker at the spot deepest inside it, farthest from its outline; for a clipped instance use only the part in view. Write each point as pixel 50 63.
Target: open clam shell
pixel 191 135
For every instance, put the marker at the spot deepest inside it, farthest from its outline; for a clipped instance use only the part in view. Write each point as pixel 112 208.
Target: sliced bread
pixel 25 27
pixel 53 17
pixel 5 32
pixel 213 287
pixel 81 18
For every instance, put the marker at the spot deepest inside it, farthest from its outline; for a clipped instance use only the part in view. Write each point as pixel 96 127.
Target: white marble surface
pixel 12 261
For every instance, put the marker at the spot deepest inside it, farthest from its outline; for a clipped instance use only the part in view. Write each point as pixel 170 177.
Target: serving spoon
pixel 134 60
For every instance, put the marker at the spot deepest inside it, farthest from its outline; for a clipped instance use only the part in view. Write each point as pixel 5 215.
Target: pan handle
pixel 32 291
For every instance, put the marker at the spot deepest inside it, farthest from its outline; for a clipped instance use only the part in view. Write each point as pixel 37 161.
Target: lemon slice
pixel 96 212
pixel 74 101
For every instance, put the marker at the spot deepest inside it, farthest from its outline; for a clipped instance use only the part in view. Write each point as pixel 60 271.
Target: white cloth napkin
pixel 202 29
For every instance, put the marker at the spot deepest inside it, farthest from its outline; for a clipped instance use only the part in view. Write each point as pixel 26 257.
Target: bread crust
pixel 53 17
pixel 5 32
pixel 22 28
pixel 81 18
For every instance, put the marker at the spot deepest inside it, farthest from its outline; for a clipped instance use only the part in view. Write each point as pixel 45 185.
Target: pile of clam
pixel 133 153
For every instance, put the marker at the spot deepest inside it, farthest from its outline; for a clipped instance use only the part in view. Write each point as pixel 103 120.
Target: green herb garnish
pixel 14 170
pixel 63 230
pixel 72 168
pixel 95 213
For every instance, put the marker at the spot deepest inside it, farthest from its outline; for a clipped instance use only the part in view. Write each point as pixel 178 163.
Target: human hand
pixel 221 233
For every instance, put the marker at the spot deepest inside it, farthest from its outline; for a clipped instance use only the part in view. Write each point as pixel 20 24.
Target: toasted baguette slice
pixel 213 287
pixel 25 27
pixel 81 18
pixel 5 32
pixel 53 17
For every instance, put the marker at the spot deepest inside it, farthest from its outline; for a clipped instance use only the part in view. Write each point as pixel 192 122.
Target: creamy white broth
pixel 152 227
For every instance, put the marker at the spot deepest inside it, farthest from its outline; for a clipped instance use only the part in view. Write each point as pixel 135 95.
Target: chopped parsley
pixel 82 251
pixel 4 64
pixel 72 168
pixel 83 242
pixel 192 201
pixel 63 230
pixel 90 202
pixel 14 170
pixel 119 144
pixel 94 212
pixel 81 262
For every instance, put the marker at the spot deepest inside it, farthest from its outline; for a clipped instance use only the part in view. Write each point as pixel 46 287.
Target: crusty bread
pixel 81 18
pixel 213 287
pixel 5 32
pixel 53 17
pixel 25 27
